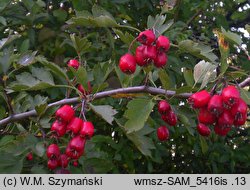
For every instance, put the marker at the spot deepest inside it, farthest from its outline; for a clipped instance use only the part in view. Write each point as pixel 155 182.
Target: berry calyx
pixel 52 164
pixel 199 99
pixel 29 156
pixel 206 117
pixel 59 128
pixel 127 63
pixel 162 43
pixel 240 109
pixel 163 107
pixel 53 151
pixel 75 125
pixel 73 63
pixel 160 60
pixel 87 129
pixel 225 119
pixel 230 96
pixel 65 113
pixel 203 130
pixel 146 37
pixel 215 105
pixel 72 153
pixel 163 133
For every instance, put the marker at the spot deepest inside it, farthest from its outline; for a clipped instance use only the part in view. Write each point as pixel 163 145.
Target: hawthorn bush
pixel 81 82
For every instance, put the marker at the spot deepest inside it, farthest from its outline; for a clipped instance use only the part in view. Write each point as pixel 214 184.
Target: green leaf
pixel 143 143
pixel 164 78
pixel 245 95
pixel 6 41
pixel 204 146
pixel 38 169
pixel 6 139
pixel 60 14
pixel 188 75
pixel 39 149
pixel 3 21
pixel 53 67
pixel 106 112
pixel 81 45
pixel 126 38
pixel 158 25
pixel 231 37
pixel 137 114
pixel 199 50
pixel 27 58
pixel 43 75
pixel 81 76
pixel 204 72
pixel 10 164
pixel 40 104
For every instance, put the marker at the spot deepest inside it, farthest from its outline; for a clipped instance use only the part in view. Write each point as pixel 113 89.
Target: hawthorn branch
pixel 99 95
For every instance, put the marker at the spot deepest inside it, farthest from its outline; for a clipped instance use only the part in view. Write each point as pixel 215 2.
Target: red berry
pixel 139 56
pixel 59 128
pixel 53 151
pixel 146 37
pixel 230 96
pixel 162 43
pixel 72 153
pixel 75 163
pixel 162 133
pixel 199 99
pixel 222 131
pixel 73 63
pixel 163 107
pixel 63 160
pixel 240 109
pixel 65 113
pixel 206 117
pixel 75 125
pixel 52 164
pixel 225 119
pixel 238 121
pixel 77 143
pixel 29 156
pixel 127 63
pixel 203 130
pixel 150 53
pixel 160 60
pixel 87 129
pixel 215 105
pixel 171 118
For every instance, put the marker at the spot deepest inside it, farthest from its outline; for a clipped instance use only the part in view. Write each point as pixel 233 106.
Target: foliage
pixel 38 37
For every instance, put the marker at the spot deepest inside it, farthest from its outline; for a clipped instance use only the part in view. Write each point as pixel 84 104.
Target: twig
pixel 99 95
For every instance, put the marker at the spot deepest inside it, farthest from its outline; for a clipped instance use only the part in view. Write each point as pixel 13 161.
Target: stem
pixel 131 44
pixel 99 95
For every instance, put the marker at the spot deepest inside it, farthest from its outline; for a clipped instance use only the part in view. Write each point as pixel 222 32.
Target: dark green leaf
pixel 165 81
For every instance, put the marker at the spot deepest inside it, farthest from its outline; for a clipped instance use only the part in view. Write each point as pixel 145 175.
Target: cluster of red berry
pixel 167 115
pixel 78 129
pixel 151 50
pixel 220 110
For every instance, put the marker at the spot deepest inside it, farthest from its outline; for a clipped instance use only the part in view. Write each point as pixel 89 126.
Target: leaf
pixel 27 58
pixel 6 139
pixel 43 75
pixel 157 23
pixel 5 60
pixel 81 76
pixel 245 95
pixel 199 50
pixel 3 21
pixel 137 114
pixel 39 149
pixel 53 67
pixel 40 104
pixel 37 169
pixel 188 75
pixel 204 146
pixel 204 72
pixel 104 111
pixel 231 37
pixel 126 37
pixel 164 78
pixel 60 14
pixel 81 45
pixel 6 41
pixel 10 164
pixel 143 143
